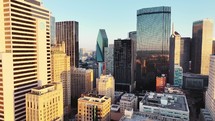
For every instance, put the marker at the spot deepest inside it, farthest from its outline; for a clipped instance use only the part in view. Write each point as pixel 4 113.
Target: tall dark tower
pixel 153 33
pixel 68 31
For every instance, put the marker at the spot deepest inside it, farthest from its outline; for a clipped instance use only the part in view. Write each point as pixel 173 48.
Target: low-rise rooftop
pixel 169 101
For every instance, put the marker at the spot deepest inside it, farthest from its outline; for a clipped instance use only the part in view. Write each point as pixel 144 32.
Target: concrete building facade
pixel 25 55
pixel 45 103
pixel 128 101
pixel 106 86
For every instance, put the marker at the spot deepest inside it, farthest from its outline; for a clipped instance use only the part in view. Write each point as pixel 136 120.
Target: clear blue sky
pixel 118 17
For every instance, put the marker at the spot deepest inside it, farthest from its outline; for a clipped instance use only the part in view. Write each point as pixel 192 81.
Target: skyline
pixel 119 17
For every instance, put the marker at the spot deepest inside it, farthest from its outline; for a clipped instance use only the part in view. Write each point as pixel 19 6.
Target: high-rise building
pixel 210 94
pixel 124 64
pixel 45 103
pixel 213 49
pixel 160 83
pixel 94 108
pixel 108 58
pixel 178 76
pixel 67 31
pixel 106 86
pixel 201 46
pixel 133 35
pixel 24 54
pixel 81 81
pixel 52 31
pixel 174 54
pixel 128 101
pixel 185 54
pixel 60 64
pixel 102 42
pixel 153 33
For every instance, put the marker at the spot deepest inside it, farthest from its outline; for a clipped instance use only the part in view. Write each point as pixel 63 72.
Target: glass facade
pixel 153 33
pixel 102 42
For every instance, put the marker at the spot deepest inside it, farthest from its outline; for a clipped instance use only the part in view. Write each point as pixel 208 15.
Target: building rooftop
pixel 195 75
pixel 168 101
pixel 137 116
pixel 127 97
pixel 115 107
pixel 94 98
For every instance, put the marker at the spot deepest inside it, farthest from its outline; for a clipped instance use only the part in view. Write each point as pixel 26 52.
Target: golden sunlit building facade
pixel 60 64
pixel 25 54
pixel 94 108
pixel 45 103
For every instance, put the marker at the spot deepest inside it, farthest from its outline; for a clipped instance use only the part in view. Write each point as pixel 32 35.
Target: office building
pixel 174 54
pixel 81 81
pixel 60 65
pixel 94 108
pixel 124 64
pixel 185 55
pixel 45 103
pixel 170 106
pixel 24 54
pixel 178 76
pixel 210 94
pixel 68 31
pixel 133 35
pixel 153 33
pixel 213 49
pixel 52 31
pixel 128 101
pixel 102 42
pixel 160 83
pixel 108 58
pixel 205 115
pixel 194 81
pixel 201 46
pixel 106 86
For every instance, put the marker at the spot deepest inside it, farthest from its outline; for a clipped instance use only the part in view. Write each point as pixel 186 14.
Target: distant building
pixel 82 51
pixel 81 81
pixel 108 58
pixel 213 49
pixel 178 76
pixel 201 46
pixel 102 42
pixel 174 54
pixel 106 86
pixel 45 103
pixel 128 101
pixel 194 81
pixel 153 32
pixel 160 83
pixel 60 65
pixel 170 106
pixel 124 64
pixel 68 31
pixel 94 108
pixel 210 94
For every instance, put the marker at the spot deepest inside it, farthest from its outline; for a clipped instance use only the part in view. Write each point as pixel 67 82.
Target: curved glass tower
pixel 153 32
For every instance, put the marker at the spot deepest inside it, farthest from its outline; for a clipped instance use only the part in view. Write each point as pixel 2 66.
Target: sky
pixel 118 17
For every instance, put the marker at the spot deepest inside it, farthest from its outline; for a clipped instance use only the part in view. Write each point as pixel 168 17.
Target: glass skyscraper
pixel 153 32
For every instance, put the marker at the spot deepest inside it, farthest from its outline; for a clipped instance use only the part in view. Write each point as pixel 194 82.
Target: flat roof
pixel 137 117
pixel 168 101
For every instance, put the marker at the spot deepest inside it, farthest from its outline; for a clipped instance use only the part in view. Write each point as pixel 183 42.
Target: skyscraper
pixel 201 46
pixel 106 86
pixel 210 94
pixel 124 64
pixel 102 42
pixel 178 76
pixel 60 64
pixel 24 54
pixel 68 31
pixel 185 53
pixel 174 54
pixel 213 49
pixel 108 58
pixel 153 32
pixel 45 103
